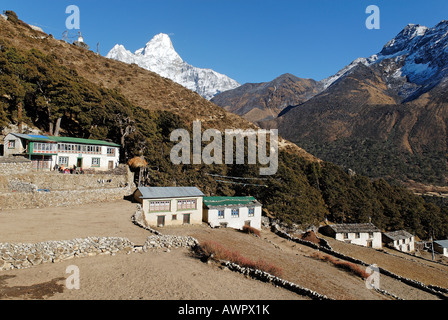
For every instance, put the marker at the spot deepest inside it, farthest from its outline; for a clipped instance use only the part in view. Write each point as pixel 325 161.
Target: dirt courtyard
pixel 108 219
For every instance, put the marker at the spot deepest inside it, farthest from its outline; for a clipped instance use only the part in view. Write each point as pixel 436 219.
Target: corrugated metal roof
pixel 65 139
pixel 354 227
pixel 83 141
pixel 398 235
pixel 169 192
pixel 230 201
pixel 31 137
pixel 442 243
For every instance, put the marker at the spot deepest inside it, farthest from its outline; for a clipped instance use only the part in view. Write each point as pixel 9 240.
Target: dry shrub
pixel 219 252
pixel 251 230
pixel 349 266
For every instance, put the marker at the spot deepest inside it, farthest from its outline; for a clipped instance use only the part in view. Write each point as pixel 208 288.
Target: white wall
pixel 211 217
pixel 405 245
pixel 19 148
pixel 151 217
pixel 87 159
pixel 362 240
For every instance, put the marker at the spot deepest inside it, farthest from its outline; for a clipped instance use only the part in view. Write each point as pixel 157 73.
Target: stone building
pixel 400 240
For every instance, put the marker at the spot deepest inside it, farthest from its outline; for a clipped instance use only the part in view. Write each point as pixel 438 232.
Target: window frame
pixel 96 165
pixel 13 143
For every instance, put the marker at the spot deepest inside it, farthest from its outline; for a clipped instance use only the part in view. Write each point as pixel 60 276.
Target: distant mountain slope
pixel 160 57
pixel 262 101
pixel 384 116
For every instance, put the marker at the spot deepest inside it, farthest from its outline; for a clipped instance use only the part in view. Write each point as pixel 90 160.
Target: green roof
pixel 229 201
pixel 84 141
pixel 65 139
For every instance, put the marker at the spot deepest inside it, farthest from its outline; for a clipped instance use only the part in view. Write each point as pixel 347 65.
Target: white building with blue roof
pixel 441 246
pixel 165 206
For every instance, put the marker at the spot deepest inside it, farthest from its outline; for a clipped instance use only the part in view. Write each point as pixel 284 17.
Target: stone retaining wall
pixel 57 181
pixel 11 165
pixel 23 255
pixel 19 200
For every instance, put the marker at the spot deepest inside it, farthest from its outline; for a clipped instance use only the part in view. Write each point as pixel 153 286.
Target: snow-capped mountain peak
pixel 159 56
pixel 412 62
pixel 161 46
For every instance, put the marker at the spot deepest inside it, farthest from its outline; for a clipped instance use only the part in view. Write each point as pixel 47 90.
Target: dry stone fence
pixel 25 255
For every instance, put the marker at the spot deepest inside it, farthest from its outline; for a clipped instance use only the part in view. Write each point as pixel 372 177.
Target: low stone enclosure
pixel 22 187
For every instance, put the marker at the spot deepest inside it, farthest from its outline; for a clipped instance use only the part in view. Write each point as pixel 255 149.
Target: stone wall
pixel 22 200
pixel 36 189
pixel 20 255
pixel 14 165
pixel 267 277
pixel 58 181
pixel 168 242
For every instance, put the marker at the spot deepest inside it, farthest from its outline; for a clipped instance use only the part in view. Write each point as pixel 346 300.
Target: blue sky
pixel 250 41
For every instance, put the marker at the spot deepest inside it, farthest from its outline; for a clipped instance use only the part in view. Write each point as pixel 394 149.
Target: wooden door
pixel 160 221
pixel 187 218
pixel 111 165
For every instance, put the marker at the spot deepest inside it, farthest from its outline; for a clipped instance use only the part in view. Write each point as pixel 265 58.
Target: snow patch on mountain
pixel 159 56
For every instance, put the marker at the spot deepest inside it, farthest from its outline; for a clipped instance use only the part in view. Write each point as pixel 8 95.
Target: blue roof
pixel 169 192
pixel 442 243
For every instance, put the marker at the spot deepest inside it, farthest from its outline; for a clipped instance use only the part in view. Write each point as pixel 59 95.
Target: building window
pixel 111 152
pixel 95 162
pixel 63 161
pixel 220 214
pixel 11 144
pixel 251 212
pixel 235 213
pixel 345 235
pixel 160 206
pixel 186 204
pixel 357 235
pixel 370 234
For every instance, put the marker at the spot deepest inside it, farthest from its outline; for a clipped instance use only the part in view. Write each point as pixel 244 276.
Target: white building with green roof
pixel 232 212
pixel 49 152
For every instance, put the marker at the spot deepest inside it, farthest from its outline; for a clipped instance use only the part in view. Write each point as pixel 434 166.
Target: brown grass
pixel 251 230
pixel 218 252
pixel 349 266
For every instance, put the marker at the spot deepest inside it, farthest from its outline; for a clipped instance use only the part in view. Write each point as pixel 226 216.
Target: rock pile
pixel 16 185
pixel 168 242
pixel 24 255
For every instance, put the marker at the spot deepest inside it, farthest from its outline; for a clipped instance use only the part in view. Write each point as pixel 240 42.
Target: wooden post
pixel 19 116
